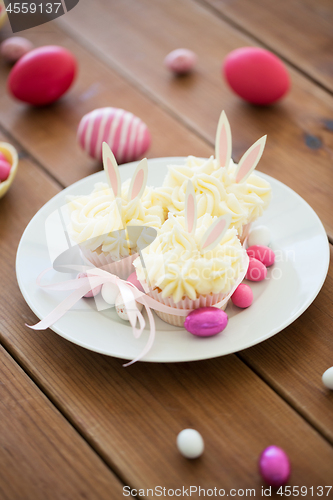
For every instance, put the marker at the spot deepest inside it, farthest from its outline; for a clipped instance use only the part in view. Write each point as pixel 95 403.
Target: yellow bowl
pixel 3 13
pixel 12 157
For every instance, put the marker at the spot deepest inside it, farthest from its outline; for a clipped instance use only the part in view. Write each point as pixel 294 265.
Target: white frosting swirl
pixel 175 264
pixel 217 193
pixel 98 221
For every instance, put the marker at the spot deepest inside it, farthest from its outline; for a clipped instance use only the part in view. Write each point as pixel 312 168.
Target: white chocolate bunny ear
pixel 215 233
pixel 139 180
pixel 190 209
pixel 111 169
pixel 223 141
pixel 250 159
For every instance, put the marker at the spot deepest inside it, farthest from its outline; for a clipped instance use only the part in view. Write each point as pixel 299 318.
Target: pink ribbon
pixel 130 294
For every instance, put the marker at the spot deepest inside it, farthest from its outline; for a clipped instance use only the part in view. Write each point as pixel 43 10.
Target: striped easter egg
pixel 125 133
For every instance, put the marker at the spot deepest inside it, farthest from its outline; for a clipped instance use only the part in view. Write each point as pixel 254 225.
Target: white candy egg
pixel 110 292
pixel 190 443
pixel 259 235
pixel 327 378
pixel 121 310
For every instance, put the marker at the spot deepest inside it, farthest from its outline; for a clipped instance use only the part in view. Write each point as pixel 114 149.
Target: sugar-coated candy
pixel 259 235
pixel 256 270
pixel 43 75
pixel 15 47
pixel 92 293
pixel 242 296
pixel 110 293
pixel 134 280
pixel 327 378
pixel 262 253
pixel 256 75
pixel 206 321
pixel 190 443
pixel 180 61
pixel 126 134
pixel 5 167
pixel 121 309
pixel 274 466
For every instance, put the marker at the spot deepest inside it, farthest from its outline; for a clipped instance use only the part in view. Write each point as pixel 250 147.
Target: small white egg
pixel 180 61
pixel 259 235
pixel 190 443
pixel 110 292
pixel 327 378
pixel 121 310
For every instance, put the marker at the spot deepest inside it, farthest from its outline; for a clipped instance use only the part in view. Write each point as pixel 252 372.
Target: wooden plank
pixel 293 361
pixel 49 133
pixel 299 31
pixel 132 416
pixel 41 455
pixel 299 147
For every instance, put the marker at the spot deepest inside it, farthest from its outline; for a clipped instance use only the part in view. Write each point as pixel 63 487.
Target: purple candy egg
pixel 206 321
pixel 274 466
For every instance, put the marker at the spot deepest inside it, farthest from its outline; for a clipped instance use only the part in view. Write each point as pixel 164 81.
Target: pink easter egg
pixel 274 466
pixel 94 291
pixel 43 75
pixel 134 280
pixel 256 75
pixel 256 270
pixel 180 61
pixel 242 296
pixel 206 321
pixel 15 47
pixel 262 253
pixel 4 170
pixel 126 134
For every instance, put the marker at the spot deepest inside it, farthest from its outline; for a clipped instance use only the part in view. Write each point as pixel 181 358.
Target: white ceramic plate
pixel 299 241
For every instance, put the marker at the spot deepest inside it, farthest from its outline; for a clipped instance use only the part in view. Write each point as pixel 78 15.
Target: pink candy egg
pixel 242 296
pixel 256 75
pixel 206 321
pixel 274 466
pixel 12 49
pixel 43 75
pixel 4 170
pixel 262 253
pixel 256 270
pixel 180 61
pixel 94 291
pixel 125 133
pixel 134 280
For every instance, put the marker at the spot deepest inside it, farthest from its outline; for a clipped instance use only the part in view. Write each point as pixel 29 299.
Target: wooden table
pixel 76 424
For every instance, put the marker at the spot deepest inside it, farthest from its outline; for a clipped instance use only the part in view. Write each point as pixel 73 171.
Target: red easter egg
pixel 4 170
pixel 256 75
pixel 43 75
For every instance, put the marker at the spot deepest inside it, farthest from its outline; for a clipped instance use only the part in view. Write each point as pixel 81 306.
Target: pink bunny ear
pixel 223 141
pixel 139 180
pixel 111 170
pixel 250 159
pixel 215 233
pixel 190 209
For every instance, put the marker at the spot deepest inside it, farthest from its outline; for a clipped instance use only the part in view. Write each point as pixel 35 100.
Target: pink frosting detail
pixel 137 184
pixel 113 177
pixel 214 234
pixel 248 163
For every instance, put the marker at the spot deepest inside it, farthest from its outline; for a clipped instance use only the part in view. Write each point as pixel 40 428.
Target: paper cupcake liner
pixel 186 303
pixel 245 232
pixel 122 268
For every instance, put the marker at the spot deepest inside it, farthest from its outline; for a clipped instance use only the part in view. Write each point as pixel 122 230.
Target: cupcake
pixel 111 223
pixel 192 263
pixel 221 186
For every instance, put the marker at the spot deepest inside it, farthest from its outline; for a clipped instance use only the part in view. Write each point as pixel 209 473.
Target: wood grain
pixel 299 31
pixel 299 148
pixel 132 416
pixel 49 133
pixel 293 361
pixel 41 455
